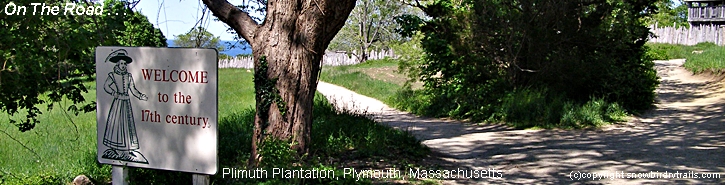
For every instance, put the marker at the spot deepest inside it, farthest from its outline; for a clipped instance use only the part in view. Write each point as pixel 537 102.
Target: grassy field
pixel 62 147
pixel 711 59
pixel 65 145
pixel 375 78
pixel 703 57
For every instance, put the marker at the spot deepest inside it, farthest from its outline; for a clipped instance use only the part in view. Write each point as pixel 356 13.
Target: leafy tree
pixel 243 55
pixel 670 14
pixel 198 38
pixel 223 56
pixel 371 25
pixel 135 30
pixel 477 52
pixel 287 48
pixel 55 55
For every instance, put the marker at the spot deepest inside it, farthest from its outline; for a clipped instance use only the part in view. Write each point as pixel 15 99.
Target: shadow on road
pixel 685 134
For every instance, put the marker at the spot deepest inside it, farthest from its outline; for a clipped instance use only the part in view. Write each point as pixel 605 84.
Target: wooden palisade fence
pixel 695 34
pixel 330 59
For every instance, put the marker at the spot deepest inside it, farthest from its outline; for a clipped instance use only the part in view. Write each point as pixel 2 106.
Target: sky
pixel 175 17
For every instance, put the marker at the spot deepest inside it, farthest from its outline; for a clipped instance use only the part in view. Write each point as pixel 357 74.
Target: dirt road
pixel 685 134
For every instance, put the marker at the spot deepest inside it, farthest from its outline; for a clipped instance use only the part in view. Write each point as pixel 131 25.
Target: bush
pixel 414 101
pixel 479 54
pixel 277 153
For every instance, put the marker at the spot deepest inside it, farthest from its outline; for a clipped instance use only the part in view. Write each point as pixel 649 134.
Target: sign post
pixel 157 108
pixel 119 175
pixel 200 179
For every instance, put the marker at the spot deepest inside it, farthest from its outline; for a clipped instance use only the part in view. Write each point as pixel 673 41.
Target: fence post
pixel 697 33
pixel 721 36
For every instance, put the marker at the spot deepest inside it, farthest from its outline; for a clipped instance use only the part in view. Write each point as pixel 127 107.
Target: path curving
pixel 685 133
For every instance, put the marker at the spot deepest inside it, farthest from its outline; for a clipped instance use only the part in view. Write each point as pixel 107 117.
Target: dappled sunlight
pixel 684 133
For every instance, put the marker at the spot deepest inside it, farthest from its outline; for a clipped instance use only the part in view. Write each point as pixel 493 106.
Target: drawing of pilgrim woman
pixel 120 133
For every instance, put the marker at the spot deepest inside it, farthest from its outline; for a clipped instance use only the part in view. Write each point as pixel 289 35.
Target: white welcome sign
pixel 157 108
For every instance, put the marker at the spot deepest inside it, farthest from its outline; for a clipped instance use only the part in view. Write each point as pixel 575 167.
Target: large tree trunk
pixel 293 39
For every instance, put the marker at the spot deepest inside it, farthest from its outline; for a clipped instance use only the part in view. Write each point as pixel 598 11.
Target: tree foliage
pixel 670 14
pixel 479 51
pixel 128 28
pixel 370 26
pixel 198 37
pixel 46 59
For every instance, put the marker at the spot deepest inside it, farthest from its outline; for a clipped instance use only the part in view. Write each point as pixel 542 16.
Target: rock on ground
pixel 82 180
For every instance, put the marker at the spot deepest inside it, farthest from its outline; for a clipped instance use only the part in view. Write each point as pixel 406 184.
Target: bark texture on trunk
pixel 293 39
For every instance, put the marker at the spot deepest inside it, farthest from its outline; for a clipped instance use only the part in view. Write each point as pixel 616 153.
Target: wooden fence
pixel 706 14
pixel 692 36
pixel 330 59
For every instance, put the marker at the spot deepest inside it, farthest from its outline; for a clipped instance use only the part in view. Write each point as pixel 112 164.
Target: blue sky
pixel 175 17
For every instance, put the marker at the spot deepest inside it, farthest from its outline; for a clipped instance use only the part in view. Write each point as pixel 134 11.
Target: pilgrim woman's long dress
pixel 120 132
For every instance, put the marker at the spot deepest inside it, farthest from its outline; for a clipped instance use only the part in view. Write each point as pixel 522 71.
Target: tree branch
pixel 240 21
pixel 416 5
pixel 21 144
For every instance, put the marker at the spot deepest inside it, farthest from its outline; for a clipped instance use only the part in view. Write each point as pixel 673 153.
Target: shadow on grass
pixel 339 140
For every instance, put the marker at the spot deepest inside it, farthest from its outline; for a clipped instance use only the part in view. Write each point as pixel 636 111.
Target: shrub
pixel 478 53
pixel 277 153
pixel 414 101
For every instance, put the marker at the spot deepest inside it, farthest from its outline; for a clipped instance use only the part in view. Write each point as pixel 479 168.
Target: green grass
pixel 352 78
pixel 338 139
pixel 660 51
pixel 530 108
pixel 387 62
pixel 334 145
pixel 65 144
pixel 236 91
pixel 73 145
pixel 703 57
pixel 523 108
pixel 710 60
